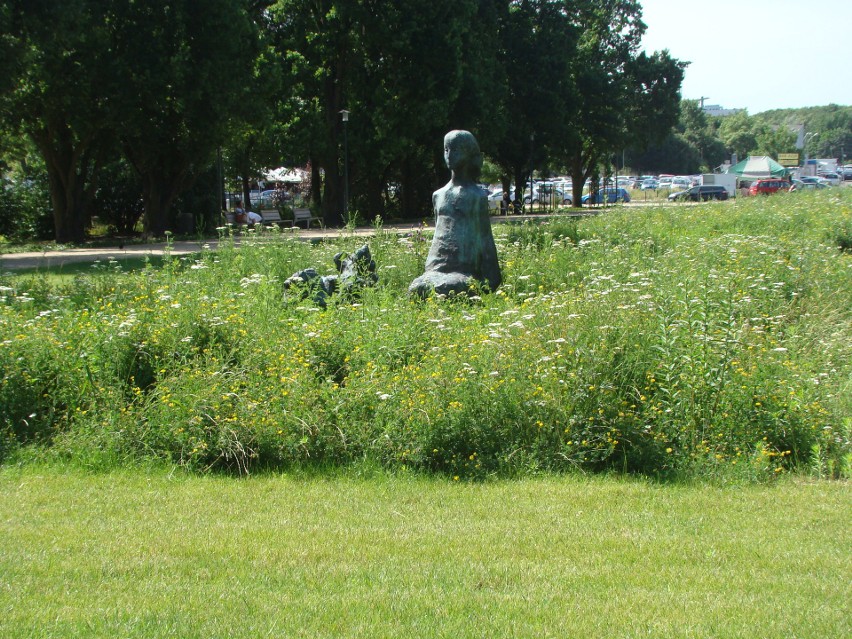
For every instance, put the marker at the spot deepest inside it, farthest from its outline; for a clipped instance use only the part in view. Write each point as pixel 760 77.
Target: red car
pixel 766 186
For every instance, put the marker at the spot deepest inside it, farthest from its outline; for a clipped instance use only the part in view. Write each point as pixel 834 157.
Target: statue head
pixel 462 154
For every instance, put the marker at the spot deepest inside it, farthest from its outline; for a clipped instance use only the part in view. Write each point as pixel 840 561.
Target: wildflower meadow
pixel 709 341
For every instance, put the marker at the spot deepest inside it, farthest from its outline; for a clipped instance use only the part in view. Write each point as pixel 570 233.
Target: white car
pixel 547 192
pixel 495 199
pixel 832 178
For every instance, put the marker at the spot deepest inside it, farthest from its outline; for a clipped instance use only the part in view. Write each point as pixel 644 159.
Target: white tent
pixel 283 174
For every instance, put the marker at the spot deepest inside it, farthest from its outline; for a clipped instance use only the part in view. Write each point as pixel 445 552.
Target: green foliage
pixel 118 200
pixel 64 91
pixel 182 98
pixel 842 235
pixel 832 122
pixel 25 210
pixel 709 341
pixel 166 86
pixel 623 96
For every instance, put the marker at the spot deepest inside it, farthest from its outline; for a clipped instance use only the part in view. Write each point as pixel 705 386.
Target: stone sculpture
pixel 463 250
pixel 356 271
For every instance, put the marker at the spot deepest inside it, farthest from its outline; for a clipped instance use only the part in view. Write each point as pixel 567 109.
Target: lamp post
pixel 344 116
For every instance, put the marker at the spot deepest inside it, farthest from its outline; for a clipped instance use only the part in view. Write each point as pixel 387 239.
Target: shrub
pixel 118 202
pixel 25 209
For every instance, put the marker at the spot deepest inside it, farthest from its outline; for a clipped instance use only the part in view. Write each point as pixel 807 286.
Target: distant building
pixel 718 111
pixel 799 130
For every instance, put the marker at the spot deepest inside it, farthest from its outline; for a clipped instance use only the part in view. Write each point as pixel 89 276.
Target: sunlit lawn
pixel 136 554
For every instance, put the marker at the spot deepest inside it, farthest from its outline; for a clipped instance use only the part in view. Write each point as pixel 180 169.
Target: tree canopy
pixel 548 85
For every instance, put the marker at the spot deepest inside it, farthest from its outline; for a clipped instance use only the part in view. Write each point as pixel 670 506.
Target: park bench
pixel 304 215
pixel 273 216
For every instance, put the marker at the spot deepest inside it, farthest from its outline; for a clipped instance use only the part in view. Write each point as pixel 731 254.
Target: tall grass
pixel 711 341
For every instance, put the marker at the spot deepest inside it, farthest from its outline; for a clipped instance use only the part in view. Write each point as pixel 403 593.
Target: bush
pixel 118 202
pixel 25 209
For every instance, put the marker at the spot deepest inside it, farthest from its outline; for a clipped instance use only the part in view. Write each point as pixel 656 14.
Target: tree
pixel 62 79
pixel 539 42
pixel 674 154
pixel 832 123
pixel 187 66
pixel 407 71
pixel 653 107
pixel 699 132
pixel 737 132
pixel 316 38
pixel 421 75
pixel 772 140
pixel 624 98
pixel 256 138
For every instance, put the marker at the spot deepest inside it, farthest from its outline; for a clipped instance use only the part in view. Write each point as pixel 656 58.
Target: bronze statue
pixel 463 248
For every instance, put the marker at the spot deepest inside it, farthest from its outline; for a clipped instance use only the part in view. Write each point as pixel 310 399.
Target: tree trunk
pixel 332 196
pixel 246 191
pixel 375 199
pixel 68 216
pixel 316 184
pixel 579 173
pixel 520 174
pixel 159 196
pixel 409 197
pixel 67 171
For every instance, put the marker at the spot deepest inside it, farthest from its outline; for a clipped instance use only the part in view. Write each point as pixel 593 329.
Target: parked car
pixel 567 189
pixel 612 195
pixel 765 186
pixel 650 185
pixel 495 202
pixel 798 185
pixel 812 179
pixel 701 193
pixel 548 193
pixel 832 178
pixel 496 197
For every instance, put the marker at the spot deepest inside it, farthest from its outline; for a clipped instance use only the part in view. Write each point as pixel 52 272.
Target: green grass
pixel 709 341
pixel 65 274
pixel 135 554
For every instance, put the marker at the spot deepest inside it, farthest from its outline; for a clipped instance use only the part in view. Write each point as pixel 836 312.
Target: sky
pixel 757 54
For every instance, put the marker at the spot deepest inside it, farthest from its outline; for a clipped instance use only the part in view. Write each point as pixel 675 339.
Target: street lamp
pixel 344 116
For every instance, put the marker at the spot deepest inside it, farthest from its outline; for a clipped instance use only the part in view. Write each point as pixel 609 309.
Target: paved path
pixel 45 259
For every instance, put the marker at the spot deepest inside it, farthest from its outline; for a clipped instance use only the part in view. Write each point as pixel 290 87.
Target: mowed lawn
pixel 150 554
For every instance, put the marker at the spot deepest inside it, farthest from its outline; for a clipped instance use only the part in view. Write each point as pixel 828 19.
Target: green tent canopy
pixel 758 166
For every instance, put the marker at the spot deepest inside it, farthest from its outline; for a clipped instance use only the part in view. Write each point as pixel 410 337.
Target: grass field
pixel 456 468
pixel 154 554
pixel 709 341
